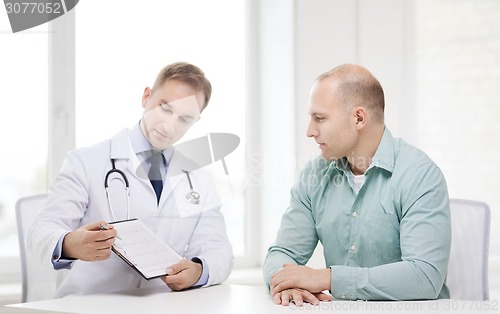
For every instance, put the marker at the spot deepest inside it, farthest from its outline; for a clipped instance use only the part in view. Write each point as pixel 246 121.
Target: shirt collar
pixel 140 143
pixel 383 158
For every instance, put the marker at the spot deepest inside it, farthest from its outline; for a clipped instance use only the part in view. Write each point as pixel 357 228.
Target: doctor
pixel 70 232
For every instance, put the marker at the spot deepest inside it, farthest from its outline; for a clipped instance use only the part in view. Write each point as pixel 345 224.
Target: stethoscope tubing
pixel 192 197
pixel 127 189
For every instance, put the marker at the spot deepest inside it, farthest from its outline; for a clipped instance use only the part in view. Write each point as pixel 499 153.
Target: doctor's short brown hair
pixel 188 74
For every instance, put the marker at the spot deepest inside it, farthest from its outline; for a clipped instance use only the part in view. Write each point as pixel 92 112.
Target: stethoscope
pixel 192 197
pixel 127 188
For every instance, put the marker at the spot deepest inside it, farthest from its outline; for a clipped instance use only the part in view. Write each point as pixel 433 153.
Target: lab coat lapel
pixel 176 178
pixel 122 149
pixel 120 145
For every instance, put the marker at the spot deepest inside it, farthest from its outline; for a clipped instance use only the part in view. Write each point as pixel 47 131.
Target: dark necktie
pixel 154 174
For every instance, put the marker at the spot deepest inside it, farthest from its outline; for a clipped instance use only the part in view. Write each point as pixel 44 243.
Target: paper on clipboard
pixel 143 250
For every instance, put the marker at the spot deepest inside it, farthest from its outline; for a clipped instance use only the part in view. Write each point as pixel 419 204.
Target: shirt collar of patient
pixel 383 158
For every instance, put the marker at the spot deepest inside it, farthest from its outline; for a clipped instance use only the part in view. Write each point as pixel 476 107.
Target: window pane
pixel 116 60
pixel 23 77
pixel 458 96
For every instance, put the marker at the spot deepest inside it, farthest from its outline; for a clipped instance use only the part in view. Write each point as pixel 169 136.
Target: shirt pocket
pixel 382 237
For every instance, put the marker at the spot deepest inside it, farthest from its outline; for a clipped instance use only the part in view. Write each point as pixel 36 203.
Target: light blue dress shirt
pixel 142 148
pixel 391 241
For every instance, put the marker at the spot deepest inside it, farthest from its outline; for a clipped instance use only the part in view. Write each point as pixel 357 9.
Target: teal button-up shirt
pixel 391 241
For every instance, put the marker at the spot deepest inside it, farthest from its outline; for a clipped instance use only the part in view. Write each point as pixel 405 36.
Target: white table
pixel 232 299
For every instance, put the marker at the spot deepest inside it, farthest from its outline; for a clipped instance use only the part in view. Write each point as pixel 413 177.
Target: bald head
pixel 356 86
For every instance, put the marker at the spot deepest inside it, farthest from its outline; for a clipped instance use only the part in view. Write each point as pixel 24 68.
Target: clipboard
pixel 142 249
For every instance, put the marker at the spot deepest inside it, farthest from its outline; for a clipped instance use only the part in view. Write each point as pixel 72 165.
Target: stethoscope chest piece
pixel 193 197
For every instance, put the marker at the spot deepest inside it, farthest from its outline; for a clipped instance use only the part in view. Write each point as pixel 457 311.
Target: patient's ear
pixel 360 115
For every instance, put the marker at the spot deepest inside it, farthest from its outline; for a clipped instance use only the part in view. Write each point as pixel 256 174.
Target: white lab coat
pixel 77 197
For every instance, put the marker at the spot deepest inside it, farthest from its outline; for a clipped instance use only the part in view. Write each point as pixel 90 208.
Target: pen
pixel 104 227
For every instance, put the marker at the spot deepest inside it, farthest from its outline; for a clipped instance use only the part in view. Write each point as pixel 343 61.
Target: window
pixel 116 58
pixel 458 98
pixel 24 127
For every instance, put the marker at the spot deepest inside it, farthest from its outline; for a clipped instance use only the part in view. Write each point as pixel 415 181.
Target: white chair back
pixel 38 280
pixel 468 266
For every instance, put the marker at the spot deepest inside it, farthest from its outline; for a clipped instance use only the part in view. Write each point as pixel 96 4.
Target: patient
pixel 378 205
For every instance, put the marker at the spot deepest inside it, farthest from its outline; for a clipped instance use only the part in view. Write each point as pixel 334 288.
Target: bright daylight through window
pixel 23 64
pixel 111 75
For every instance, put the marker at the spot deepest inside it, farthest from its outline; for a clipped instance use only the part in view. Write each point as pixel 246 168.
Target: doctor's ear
pixel 145 96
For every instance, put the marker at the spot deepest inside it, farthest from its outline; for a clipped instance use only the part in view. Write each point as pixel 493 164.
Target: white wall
pixel 304 38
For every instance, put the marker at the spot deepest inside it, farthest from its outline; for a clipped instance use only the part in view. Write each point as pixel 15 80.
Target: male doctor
pixel 70 232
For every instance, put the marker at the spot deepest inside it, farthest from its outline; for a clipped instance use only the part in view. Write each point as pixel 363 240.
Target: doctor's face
pixel 169 112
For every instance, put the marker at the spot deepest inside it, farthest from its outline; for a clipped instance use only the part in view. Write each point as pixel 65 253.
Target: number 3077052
pixel 33 8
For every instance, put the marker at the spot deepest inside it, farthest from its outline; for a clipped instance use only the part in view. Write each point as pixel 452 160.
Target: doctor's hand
pixel 89 243
pixel 183 275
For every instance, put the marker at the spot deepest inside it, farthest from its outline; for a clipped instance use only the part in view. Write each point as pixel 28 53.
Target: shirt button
pixel 353 247
pixel 55 257
pixel 354 214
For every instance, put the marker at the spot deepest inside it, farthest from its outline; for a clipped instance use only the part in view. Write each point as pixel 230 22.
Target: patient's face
pixel 332 126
